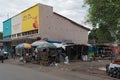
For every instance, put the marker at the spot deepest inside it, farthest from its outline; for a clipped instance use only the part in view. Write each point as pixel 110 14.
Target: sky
pixel 72 9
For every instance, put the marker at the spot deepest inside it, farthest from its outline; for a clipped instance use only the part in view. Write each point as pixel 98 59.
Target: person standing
pixel 2 55
pixel 11 52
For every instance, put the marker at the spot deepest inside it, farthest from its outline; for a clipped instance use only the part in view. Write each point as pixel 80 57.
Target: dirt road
pixel 73 71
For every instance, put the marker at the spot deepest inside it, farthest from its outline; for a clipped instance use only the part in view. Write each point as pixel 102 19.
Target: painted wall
pixel 7 28
pixel 17 24
pixel 26 21
pixel 30 19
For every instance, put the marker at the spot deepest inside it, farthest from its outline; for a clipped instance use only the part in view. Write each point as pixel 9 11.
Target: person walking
pixel 2 55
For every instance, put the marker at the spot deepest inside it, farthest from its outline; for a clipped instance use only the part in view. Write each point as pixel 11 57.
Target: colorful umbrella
pixel 39 42
pixel 23 45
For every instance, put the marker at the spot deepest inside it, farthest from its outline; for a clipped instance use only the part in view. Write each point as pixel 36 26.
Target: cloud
pixel 71 9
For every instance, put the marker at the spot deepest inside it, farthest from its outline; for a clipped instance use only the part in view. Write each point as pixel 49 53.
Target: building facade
pixel 41 21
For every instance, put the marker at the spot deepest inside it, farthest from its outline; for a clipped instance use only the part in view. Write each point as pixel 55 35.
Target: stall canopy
pixel 39 42
pixel 23 45
pixel 46 45
pixel 60 45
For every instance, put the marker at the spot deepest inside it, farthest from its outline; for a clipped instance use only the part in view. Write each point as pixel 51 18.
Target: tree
pixel 98 36
pixel 105 14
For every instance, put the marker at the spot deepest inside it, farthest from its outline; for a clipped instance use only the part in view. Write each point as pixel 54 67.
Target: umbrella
pixel 59 45
pixel 39 42
pixel 46 45
pixel 23 45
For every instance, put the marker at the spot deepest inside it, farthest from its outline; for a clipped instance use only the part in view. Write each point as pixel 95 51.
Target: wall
pixel 46 13
pixel 7 27
pixel 17 24
pixel 58 28
pixel 23 22
pixel 49 25
pixel 30 18
pixel 66 30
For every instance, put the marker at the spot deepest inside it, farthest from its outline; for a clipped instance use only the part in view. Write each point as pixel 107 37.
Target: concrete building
pixel 41 21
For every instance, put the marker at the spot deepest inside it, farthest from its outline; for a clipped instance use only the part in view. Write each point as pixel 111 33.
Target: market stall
pixel 24 50
pixel 47 53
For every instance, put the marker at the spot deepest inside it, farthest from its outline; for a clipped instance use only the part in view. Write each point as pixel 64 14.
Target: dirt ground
pixel 76 70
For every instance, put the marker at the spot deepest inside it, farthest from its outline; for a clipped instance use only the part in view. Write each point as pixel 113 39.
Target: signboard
pixel 17 24
pixel 30 19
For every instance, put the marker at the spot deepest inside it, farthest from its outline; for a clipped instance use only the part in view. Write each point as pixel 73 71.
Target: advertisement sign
pixel 30 19
pixel 17 24
pixel 7 28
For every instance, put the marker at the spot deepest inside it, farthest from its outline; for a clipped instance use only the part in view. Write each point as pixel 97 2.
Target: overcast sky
pixel 72 9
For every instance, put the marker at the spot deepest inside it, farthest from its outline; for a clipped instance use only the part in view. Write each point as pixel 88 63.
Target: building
pixel 40 21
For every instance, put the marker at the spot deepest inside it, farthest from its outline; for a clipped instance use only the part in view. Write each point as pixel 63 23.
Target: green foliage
pixel 92 34
pixel 100 37
pixel 105 14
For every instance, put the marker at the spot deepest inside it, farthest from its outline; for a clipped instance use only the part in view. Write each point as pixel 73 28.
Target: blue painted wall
pixel 7 28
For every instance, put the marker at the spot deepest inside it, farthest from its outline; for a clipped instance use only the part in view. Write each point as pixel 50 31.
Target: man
pixel 2 55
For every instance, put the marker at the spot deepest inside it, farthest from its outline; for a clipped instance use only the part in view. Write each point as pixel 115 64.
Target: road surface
pixel 13 72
